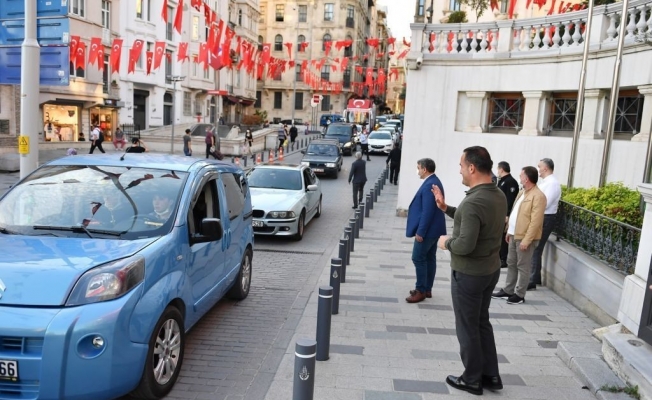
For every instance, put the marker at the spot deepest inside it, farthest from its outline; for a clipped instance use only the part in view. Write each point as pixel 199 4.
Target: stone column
pixel 505 36
pixel 644 134
pixel 534 118
pixel 634 287
pixel 474 121
pixel 594 113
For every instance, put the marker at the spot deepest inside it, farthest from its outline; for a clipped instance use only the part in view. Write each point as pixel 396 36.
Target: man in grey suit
pixel 358 175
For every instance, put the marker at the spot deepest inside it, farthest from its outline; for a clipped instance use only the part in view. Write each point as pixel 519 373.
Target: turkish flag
pixel 552 8
pixel 116 51
pixel 80 58
pixel 494 4
pixel 403 54
pixel 134 55
pixel 164 11
pixel 303 46
pixel 327 47
pixel 344 64
pixel 370 76
pixel 405 43
pixel 183 51
pixel 289 47
pixel 196 4
pixel 203 55
pixel 159 50
pixel 226 46
pixel 266 52
pixel 391 41
pixel 215 60
pixel 96 43
pixel 512 6
pixel 373 42
pixel 217 40
pixel 74 41
pixel 150 56
pixel 100 58
pixel 178 18
pixel 393 73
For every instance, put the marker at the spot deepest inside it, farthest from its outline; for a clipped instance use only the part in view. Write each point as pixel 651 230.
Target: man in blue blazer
pixel 426 223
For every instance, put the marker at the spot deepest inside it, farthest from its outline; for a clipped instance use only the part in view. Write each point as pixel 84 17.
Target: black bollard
pixel 359 214
pixel 381 182
pixel 303 387
pixel 349 234
pixel 375 192
pixel 356 227
pixel 336 279
pixel 244 159
pixel 370 200
pixel 342 252
pixel 352 227
pixel 324 310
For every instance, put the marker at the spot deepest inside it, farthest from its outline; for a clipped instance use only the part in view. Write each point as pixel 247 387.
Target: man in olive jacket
pixel 478 227
pixel 524 229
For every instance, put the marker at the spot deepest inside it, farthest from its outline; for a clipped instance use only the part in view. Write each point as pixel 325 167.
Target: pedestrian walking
pixel 551 187
pixel 524 229
pixel 211 150
pixel 358 175
pixel 394 161
pixel 294 132
pixel 187 146
pixel 282 135
pixel 364 143
pixel 425 223
pixel 119 139
pixel 478 224
pixel 508 185
pixel 249 142
pixel 96 138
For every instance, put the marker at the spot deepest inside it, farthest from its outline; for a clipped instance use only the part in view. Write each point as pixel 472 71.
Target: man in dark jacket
pixel 425 223
pixel 508 185
pixel 394 161
pixel 293 134
pixel 358 175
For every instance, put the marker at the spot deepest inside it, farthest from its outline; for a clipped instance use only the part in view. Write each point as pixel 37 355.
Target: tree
pixel 457 17
pixel 479 6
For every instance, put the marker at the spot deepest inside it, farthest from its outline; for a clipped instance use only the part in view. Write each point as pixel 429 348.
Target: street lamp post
pixel 174 79
pixel 29 92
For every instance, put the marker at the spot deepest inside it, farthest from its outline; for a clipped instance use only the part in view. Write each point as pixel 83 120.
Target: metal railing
pixel 610 241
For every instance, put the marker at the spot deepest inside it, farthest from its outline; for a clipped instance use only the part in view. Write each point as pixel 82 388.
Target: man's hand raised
pixel 439 198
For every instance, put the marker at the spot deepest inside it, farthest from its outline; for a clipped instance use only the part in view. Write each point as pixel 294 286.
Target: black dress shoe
pixel 532 286
pixel 458 383
pixel 492 382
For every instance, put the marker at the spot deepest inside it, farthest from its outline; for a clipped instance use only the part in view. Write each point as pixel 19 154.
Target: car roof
pixel 333 142
pixel 143 160
pixel 280 166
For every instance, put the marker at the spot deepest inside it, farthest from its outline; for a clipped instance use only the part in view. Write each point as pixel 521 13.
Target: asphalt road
pixel 235 350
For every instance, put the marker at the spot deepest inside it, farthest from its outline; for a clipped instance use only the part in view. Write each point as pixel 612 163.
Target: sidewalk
pixel 383 348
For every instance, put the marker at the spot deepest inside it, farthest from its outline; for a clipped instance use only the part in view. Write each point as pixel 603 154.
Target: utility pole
pixel 174 79
pixel 29 91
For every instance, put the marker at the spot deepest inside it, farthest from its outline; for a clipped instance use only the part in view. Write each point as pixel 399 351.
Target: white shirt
pixel 363 138
pixel 95 134
pixel 551 187
pixel 511 227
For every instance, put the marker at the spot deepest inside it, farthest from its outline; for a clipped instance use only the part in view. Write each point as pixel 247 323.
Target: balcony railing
pixel 562 33
pixel 606 239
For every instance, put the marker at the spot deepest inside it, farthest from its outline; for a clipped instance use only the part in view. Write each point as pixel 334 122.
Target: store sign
pixel 110 102
pixel 49 32
pixel 15 9
pixel 54 70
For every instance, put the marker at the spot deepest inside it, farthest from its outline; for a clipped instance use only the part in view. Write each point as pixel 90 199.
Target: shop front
pixel 62 122
pixel 106 116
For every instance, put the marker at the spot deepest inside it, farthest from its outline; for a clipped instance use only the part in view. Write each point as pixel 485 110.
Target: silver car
pixel 284 199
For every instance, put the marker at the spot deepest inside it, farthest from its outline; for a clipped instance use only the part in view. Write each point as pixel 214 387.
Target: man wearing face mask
pixel 425 223
pixel 524 231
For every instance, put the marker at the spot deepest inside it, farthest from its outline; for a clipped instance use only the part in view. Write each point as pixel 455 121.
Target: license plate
pixel 9 370
pixel 318 170
pixel 257 224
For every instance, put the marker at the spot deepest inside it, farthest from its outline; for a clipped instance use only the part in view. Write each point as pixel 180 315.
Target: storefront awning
pixel 245 101
pixel 232 99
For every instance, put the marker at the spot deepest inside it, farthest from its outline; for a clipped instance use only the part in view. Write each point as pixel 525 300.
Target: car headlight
pixel 306 163
pixel 108 282
pixel 281 214
pixel 330 165
pixel 348 144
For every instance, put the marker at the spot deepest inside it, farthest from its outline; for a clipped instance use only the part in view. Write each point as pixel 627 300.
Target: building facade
pixel 316 23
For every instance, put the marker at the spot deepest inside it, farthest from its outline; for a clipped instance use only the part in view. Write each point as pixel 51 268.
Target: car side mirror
pixel 211 229
pixel 312 188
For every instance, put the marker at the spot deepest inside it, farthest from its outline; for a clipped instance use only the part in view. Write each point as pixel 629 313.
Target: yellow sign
pixel 23 144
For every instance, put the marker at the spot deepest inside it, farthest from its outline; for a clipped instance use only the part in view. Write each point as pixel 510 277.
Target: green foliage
pixel 632 391
pixel 262 114
pixel 614 200
pixel 479 6
pixel 457 17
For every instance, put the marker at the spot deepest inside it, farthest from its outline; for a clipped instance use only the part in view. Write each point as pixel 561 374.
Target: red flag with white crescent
pixel 80 59
pixel 266 53
pixel 134 55
pixel 159 50
pixel 178 17
pixel 74 41
pixel 183 51
pixel 96 44
pixel 116 51
pixel 164 11
pixel 100 58
pixel 288 45
pixel 150 56
pixel 344 64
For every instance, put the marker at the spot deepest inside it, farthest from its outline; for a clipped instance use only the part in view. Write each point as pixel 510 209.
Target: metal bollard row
pixel 305 352
pixel 335 280
pixel 324 311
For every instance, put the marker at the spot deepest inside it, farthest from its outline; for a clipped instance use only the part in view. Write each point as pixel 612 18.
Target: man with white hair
pixel 358 175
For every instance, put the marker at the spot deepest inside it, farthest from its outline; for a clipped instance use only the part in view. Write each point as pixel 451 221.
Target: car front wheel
pixel 240 289
pixel 164 357
pixel 301 225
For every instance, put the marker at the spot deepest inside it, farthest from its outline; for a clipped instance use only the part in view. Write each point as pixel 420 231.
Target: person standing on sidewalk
pixel 294 132
pixel 187 146
pixel 551 187
pixel 282 135
pixel 425 223
pixel 524 229
pixel 358 175
pixel 364 142
pixel 508 185
pixel 394 161
pixel 96 138
pixel 249 142
pixel 477 231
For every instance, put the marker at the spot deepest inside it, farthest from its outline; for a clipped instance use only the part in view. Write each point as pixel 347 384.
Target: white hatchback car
pixel 380 142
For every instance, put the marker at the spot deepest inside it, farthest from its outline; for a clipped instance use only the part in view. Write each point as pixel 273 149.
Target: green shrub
pixel 614 200
pixel 457 17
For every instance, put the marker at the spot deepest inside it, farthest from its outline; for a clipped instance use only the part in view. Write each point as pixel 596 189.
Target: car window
pixel 234 197
pixel 339 130
pixel 307 179
pixel 205 205
pixel 128 202
pixel 274 178
pixel 380 135
pixel 322 150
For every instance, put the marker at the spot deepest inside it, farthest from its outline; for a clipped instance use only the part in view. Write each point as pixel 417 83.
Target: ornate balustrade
pixel 611 241
pixel 562 33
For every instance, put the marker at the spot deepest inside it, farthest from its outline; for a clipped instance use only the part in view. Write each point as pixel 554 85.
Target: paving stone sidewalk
pixel 383 348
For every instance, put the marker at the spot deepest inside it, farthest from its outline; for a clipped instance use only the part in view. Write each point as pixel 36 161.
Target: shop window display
pixel 61 123
pixel 104 117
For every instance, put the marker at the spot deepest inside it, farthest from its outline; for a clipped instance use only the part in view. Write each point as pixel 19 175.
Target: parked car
pixel 344 133
pixel 396 123
pixel 107 262
pixel 285 199
pixel 380 142
pixel 323 157
pixel 391 131
pixel 332 117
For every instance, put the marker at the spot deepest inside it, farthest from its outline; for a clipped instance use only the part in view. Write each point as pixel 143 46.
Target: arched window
pixel 300 39
pixel 167 97
pixel 278 43
pixel 327 38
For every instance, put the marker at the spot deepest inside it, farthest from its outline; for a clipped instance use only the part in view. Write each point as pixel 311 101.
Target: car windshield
pixel 380 135
pixel 274 178
pixel 95 201
pixel 339 130
pixel 322 150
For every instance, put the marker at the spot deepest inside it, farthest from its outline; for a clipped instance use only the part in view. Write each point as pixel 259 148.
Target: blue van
pixel 107 262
